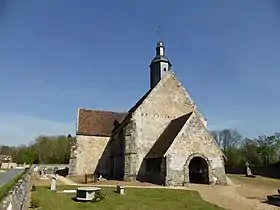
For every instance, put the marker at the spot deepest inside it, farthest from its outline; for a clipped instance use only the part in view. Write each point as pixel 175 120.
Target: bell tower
pixel 159 65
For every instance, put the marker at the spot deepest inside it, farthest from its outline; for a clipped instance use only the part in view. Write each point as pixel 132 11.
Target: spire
pixel 159 65
pixel 160 49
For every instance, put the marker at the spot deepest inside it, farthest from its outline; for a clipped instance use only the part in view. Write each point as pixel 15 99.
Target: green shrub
pixel 34 203
pixel 99 196
pixel 33 188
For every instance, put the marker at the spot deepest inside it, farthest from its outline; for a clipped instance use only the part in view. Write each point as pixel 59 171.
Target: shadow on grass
pixel 78 201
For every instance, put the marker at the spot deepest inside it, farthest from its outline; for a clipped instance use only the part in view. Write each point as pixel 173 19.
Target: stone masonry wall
pixel 194 141
pixel 18 197
pixel 166 102
pixel 89 150
pixel 131 158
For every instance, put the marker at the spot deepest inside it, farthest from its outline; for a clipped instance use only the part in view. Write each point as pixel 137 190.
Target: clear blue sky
pixel 59 55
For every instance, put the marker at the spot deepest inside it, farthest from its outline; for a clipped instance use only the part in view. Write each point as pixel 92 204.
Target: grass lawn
pixel 134 199
pixel 258 181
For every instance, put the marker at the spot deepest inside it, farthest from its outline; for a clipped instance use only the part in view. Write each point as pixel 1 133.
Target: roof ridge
pixel 99 110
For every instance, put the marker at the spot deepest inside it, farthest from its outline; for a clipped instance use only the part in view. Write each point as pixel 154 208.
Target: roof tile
pixel 97 122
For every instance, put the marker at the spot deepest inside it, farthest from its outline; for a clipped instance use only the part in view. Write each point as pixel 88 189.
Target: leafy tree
pixel 250 152
pixel 45 149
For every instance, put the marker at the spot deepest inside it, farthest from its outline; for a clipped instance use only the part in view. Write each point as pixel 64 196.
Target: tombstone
pixel 10 207
pixel 120 189
pixel 43 174
pixel 100 178
pixel 55 170
pixel 87 193
pixel 53 183
pixel 215 179
pixel 248 171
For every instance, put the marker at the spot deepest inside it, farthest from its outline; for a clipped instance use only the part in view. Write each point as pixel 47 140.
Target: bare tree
pixel 227 138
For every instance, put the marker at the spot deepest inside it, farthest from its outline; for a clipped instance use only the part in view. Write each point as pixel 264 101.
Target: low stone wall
pixel 8 165
pixel 18 197
pixel 271 171
pixel 60 166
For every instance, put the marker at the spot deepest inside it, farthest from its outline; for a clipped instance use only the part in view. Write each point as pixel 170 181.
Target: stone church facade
pixel 162 139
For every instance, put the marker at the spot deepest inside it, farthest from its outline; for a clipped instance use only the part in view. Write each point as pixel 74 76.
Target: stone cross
pixel 248 170
pixel 53 183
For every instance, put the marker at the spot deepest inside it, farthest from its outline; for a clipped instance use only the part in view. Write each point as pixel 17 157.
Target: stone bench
pixel 86 193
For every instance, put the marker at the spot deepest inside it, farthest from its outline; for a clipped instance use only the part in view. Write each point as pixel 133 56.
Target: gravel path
pixel 66 181
pixel 228 197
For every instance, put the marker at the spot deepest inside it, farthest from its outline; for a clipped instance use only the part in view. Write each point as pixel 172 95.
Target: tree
pixel 268 149
pixel 227 138
pixel 250 152
pixel 45 149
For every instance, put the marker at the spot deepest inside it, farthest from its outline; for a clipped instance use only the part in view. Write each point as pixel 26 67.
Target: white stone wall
pixel 166 102
pixel 194 140
pixel 89 150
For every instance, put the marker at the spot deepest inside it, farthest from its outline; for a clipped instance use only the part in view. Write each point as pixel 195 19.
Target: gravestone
pixel 43 173
pixel 10 207
pixel 53 183
pixel 87 193
pixel 248 171
pixel 120 189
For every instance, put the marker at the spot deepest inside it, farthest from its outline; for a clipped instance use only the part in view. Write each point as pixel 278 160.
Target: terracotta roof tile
pixel 96 122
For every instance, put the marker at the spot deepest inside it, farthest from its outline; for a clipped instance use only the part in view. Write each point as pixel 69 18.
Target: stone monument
pixel 53 183
pixel 248 171
pixel 43 174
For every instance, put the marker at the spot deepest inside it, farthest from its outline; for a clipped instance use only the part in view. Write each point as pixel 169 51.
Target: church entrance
pixel 156 170
pixel 198 171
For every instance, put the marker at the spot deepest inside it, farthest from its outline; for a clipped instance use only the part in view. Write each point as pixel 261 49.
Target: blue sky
pixel 59 55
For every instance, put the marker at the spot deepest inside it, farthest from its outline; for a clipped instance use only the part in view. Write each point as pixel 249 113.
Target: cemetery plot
pixel 134 199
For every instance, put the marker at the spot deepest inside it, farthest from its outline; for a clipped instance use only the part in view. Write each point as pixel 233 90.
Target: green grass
pixel 134 199
pixel 9 185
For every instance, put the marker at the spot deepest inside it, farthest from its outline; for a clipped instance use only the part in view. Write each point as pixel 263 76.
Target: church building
pixel 162 139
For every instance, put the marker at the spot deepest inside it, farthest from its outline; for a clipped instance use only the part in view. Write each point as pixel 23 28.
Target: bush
pixel 33 188
pixel 35 203
pixel 99 196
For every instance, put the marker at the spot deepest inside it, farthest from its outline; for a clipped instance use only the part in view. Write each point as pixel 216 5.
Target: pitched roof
pixel 133 109
pixel 97 122
pixel 168 136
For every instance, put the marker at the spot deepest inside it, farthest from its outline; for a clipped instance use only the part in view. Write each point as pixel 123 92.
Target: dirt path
pixel 66 181
pixel 228 197
pixel 243 194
